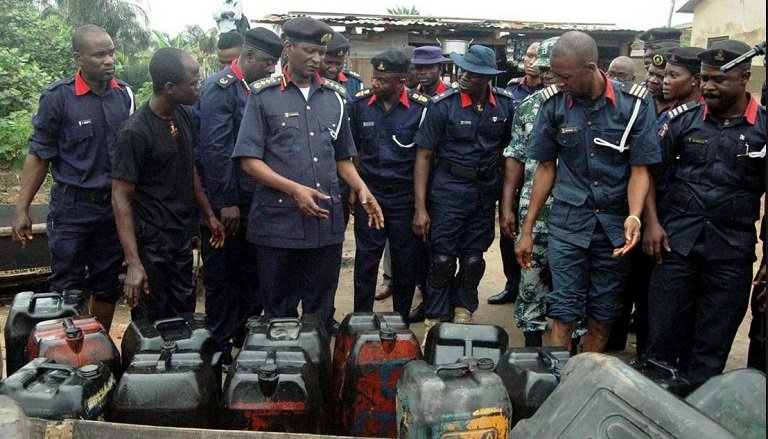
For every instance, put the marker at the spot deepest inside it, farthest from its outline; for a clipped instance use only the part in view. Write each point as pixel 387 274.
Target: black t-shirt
pixel 156 155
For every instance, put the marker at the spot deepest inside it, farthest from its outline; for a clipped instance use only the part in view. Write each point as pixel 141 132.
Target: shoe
pixel 416 314
pixel 462 315
pixel 383 292
pixel 505 296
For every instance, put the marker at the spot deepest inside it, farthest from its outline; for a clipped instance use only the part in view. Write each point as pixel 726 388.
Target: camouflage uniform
pixel 536 282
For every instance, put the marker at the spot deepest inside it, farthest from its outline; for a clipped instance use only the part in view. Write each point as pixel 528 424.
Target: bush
pixel 21 81
pixel 14 134
pixel 135 75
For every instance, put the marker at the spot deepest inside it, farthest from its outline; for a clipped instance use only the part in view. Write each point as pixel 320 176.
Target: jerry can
pixel 449 342
pixel 530 375
pixel 172 388
pixel 366 403
pixel 75 341
pixel 465 399
pixel 29 309
pixel 53 391
pixel 272 390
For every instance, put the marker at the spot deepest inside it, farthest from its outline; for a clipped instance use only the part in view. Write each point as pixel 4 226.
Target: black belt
pixel 84 194
pixel 468 172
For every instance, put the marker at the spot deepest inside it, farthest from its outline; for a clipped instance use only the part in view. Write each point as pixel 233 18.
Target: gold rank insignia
pixel 720 55
pixel 326 38
pixel 381 67
pixel 657 60
pixel 223 80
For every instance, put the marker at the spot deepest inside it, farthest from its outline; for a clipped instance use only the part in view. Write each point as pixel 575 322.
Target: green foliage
pixel 403 10
pixel 20 81
pixel 14 132
pixel 135 74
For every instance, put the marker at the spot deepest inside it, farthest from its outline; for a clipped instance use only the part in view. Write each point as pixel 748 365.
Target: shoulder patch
pixel 680 109
pixel 265 83
pixel 515 81
pixel 549 92
pixel 363 93
pixel 353 74
pixel 439 97
pixel 503 92
pixel 636 90
pixel 59 83
pixel 226 80
pixel 419 98
pixel 335 86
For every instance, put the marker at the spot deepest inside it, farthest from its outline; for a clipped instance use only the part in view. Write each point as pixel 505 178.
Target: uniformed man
pixel 294 140
pixel 622 69
pixel 74 133
pixel 229 274
pixel 593 139
pixel 520 88
pixel 536 282
pixel 654 81
pixel 334 62
pixel 658 38
pixel 384 120
pixel 228 48
pixel 700 290
pixel 465 129
pixel 155 188
pixel 427 61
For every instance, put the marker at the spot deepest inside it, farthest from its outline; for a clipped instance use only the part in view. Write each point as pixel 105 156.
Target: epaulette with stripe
pixel 549 92
pixel 419 98
pixel 450 92
pixel 636 90
pixel 335 86
pixel 503 92
pixel 680 109
pixel 362 94
pixel 353 74
pixel 262 84
pixel 515 81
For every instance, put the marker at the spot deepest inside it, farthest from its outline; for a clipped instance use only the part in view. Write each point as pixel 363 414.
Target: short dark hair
pixel 578 45
pixel 82 33
pixel 166 66
pixel 228 40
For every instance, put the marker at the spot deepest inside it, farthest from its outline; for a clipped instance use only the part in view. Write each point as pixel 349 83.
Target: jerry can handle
pixel 550 361
pixel 49 365
pixel 462 368
pixel 34 298
pixel 294 320
pixel 174 322
pixel 661 365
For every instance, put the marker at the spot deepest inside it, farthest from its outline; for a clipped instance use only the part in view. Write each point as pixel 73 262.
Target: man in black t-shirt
pixel 154 189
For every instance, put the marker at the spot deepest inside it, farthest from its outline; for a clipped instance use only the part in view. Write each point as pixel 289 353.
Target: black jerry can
pixel 449 342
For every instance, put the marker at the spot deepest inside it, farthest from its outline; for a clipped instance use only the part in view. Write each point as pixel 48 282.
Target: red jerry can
pixel 75 341
pixel 368 389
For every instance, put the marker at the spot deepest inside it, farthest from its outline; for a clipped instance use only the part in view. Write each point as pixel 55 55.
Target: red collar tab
pixel 341 77
pixel 750 113
pixel 403 99
pixel 236 69
pixel 82 87
pixel 441 87
pixel 466 101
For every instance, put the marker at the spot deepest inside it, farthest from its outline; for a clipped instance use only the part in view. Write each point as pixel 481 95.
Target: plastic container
pixel 171 388
pixel 448 342
pixel 736 400
pixel 530 375
pixel 29 309
pixel 74 341
pixel 600 396
pixel 272 390
pixel 366 402
pixel 53 391
pixel 465 399
pixel 666 376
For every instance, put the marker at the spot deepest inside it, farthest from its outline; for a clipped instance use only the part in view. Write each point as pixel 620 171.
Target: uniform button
pixel 314 159
pixel 594 183
pixel 311 133
pixel 283 124
pixel 280 200
pixel 591 154
pixel 308 108
pixel 589 123
pixel 597 210
pixel 317 184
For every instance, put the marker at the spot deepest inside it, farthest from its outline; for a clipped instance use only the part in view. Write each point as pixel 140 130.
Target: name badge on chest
pixel 369 124
pixel 465 122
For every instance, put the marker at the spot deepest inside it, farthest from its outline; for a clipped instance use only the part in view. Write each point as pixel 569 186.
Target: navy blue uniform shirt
pixel 300 139
pixel 385 139
pixel 519 89
pixel 717 181
pixel 456 131
pixel 76 129
pixel 352 82
pixel 220 111
pixel 591 183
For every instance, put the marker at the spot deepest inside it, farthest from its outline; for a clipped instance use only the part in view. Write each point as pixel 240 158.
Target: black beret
pixel 723 52
pixel 659 34
pixel 390 61
pixel 339 45
pixel 264 40
pixel 659 58
pixel 687 57
pixel 308 30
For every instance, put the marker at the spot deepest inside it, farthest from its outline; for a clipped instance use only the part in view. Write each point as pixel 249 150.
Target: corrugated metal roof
pixel 421 22
pixel 688 7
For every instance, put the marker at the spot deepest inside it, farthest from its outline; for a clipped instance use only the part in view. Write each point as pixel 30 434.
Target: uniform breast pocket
pixel 80 132
pixel 284 129
pixel 568 137
pixel 495 127
pixel 693 152
pixel 404 138
pixel 461 129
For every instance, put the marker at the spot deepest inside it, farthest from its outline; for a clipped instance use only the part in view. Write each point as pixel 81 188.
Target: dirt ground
pixel 492 283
